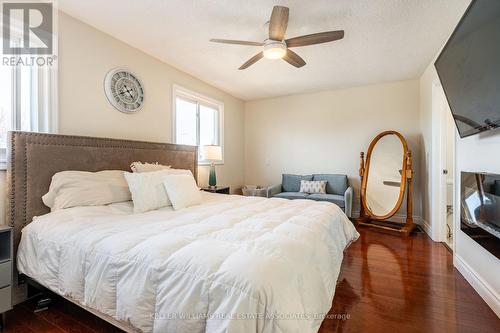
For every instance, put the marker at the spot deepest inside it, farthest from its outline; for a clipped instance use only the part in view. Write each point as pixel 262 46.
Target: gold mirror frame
pixel 366 217
pixel 402 186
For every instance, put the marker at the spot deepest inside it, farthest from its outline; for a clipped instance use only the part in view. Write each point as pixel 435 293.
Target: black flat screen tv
pixel 469 69
pixel 480 209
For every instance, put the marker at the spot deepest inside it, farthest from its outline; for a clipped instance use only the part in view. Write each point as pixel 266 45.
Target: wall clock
pixel 124 90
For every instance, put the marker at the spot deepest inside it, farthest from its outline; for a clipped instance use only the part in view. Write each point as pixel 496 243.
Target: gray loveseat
pixel 338 190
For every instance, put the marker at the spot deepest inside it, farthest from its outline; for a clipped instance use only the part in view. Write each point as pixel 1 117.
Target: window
pixel 6 105
pixel 198 120
pixel 27 101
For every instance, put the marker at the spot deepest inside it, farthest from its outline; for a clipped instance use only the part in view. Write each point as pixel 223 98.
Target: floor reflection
pixel 394 271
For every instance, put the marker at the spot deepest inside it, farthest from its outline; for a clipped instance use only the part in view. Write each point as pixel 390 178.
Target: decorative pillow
pixel 147 167
pixel 148 192
pixel 83 188
pixel 182 191
pixel 313 186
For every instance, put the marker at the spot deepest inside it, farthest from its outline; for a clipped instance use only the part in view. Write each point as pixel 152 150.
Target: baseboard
pixel 425 227
pixel 484 290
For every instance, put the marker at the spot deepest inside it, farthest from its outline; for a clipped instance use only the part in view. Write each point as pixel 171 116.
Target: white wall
pixel 474 153
pixel 326 131
pixel 86 55
pixel 477 153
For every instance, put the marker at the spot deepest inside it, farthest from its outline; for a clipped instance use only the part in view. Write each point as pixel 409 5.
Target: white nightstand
pixel 6 263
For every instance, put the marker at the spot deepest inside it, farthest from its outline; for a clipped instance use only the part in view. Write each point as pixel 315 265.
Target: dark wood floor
pixel 387 284
pixel 394 284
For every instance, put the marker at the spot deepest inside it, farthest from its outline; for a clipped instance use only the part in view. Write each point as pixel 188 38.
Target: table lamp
pixel 212 154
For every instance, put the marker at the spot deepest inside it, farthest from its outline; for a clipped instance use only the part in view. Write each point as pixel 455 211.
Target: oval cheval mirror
pixel 386 176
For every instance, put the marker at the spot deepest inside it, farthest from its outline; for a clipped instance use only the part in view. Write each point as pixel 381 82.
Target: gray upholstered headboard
pixel 33 158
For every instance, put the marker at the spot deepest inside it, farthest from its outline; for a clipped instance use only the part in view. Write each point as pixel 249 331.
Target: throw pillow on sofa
pixel 313 186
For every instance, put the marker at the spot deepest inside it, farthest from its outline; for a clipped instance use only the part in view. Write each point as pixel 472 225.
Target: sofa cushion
pixel 333 198
pixel 336 184
pixel 292 195
pixel 291 183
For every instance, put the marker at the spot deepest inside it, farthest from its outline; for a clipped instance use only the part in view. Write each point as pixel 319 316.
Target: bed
pixel 230 264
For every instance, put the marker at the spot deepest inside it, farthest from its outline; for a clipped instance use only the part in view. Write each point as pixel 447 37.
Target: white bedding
pixel 271 264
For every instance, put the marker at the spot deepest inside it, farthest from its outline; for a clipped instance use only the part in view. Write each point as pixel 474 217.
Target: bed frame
pixel 33 158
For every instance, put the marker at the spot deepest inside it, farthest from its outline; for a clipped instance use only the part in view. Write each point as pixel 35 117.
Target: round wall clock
pixel 124 90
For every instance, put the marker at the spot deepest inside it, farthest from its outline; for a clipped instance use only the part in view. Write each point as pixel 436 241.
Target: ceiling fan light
pixel 275 50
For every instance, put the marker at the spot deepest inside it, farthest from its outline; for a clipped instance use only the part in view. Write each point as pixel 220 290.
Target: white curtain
pixel 35 105
pixel 30 101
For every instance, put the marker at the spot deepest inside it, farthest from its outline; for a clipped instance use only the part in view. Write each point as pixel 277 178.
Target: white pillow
pixel 83 188
pixel 182 191
pixel 148 192
pixel 147 167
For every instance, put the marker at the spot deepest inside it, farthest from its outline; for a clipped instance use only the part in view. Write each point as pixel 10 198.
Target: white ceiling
pixel 385 40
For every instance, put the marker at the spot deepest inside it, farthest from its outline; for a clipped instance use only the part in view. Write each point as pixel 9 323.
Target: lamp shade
pixel 211 153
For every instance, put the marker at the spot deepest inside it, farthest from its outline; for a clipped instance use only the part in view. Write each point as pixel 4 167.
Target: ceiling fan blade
pixel 278 23
pixel 252 60
pixel 294 59
pixel 318 38
pixel 237 42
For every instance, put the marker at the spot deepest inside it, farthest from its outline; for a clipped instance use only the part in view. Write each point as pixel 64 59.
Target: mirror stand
pixel 366 216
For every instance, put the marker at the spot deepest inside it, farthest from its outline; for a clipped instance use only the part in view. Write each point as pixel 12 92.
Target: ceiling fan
pixel 276 46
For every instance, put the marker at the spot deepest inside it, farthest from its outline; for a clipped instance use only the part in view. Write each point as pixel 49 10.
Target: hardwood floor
pixel 387 284
pixel 394 284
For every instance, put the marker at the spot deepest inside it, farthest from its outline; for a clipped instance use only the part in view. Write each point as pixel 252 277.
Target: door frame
pixel 438 178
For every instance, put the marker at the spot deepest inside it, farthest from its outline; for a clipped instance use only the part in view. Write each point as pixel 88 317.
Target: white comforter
pixel 270 264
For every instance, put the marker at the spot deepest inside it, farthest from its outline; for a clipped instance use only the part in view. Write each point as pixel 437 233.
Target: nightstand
pixel 217 189
pixel 6 251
